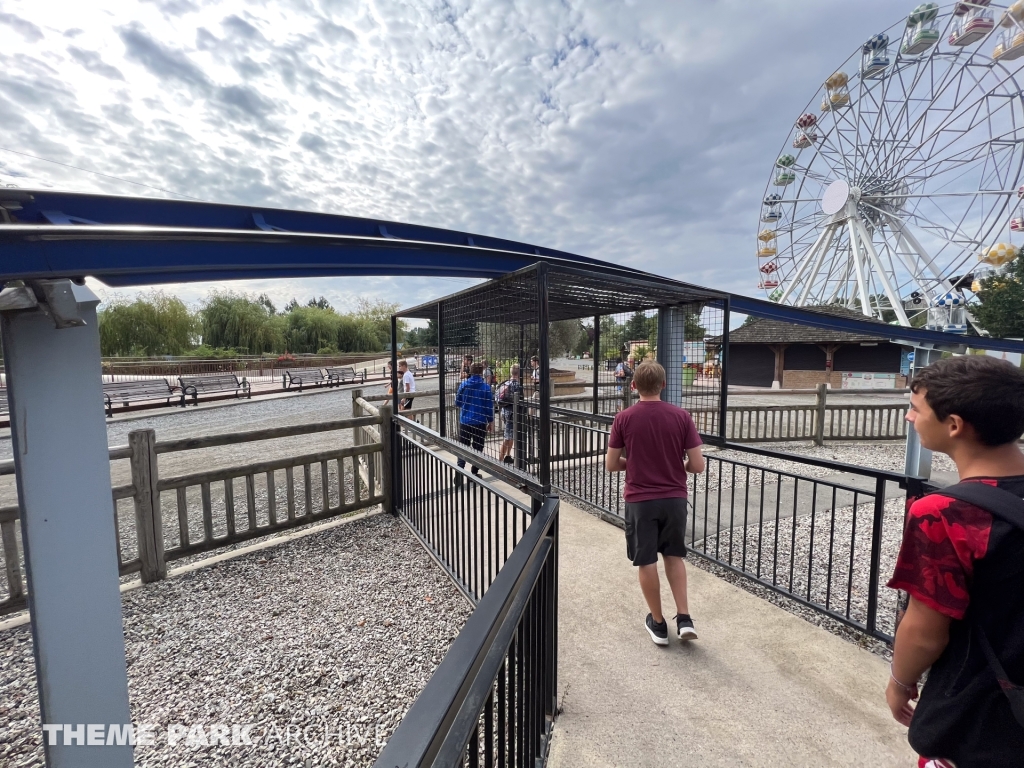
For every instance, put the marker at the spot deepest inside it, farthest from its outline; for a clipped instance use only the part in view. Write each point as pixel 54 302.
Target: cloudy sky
pixel 637 131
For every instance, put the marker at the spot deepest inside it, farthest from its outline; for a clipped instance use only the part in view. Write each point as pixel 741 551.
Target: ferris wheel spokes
pixel 903 231
pixel 879 269
pixel 824 238
pixel 809 282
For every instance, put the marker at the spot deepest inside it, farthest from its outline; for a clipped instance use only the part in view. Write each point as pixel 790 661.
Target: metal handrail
pixel 518 480
pixel 442 718
pixel 884 474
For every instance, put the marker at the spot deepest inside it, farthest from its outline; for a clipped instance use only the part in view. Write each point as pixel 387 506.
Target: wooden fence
pixel 221 507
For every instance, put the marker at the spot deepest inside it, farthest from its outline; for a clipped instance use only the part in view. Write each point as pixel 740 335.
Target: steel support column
pixel 671 351
pixel 396 444
pixel 544 449
pixel 919 458
pixel 59 439
pixel 442 412
pixel 723 382
pixel 594 358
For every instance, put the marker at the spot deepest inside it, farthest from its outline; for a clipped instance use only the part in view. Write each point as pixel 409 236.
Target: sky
pixel 641 132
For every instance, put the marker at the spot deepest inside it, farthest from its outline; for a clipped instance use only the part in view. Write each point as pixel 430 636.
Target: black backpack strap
pixel 1014 693
pixel 1001 503
pixel 1009 508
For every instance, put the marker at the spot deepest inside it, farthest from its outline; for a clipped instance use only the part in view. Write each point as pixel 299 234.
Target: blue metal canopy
pixel 128 241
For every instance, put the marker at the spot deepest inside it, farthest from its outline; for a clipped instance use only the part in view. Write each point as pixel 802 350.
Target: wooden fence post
pixel 387 480
pixel 149 529
pixel 357 411
pixel 819 414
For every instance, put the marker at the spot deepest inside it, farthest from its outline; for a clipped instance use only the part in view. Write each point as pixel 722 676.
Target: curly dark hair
pixel 985 392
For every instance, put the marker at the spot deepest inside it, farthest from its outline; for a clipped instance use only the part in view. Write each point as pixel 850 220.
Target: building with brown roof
pixel 763 352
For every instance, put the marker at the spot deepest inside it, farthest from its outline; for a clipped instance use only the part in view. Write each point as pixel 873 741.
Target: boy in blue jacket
pixel 475 402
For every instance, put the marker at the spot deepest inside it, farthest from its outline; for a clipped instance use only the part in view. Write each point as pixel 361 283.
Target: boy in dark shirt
pixel 963 568
pixel 661 445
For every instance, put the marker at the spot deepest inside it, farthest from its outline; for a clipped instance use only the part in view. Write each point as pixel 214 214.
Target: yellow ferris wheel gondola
pixel 766 248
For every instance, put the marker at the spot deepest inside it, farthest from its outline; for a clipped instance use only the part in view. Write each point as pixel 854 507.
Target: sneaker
pixel 458 480
pixel 507 460
pixel 475 472
pixel 658 632
pixel 684 627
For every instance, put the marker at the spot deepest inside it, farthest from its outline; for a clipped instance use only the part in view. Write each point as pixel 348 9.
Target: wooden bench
pixel 305 377
pixel 343 375
pixel 207 385
pixel 127 392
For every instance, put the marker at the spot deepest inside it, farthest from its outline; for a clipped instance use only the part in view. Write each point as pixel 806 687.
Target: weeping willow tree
pixel 312 329
pixel 239 321
pixel 152 324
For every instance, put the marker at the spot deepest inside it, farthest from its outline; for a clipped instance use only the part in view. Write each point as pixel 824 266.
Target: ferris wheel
pixel 899 181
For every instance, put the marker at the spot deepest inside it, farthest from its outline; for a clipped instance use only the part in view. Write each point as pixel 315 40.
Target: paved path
pixel 761 687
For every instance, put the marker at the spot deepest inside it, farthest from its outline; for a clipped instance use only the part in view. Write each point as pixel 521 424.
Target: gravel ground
pixel 324 634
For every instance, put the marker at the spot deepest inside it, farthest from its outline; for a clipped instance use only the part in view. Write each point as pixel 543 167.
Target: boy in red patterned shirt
pixel 964 571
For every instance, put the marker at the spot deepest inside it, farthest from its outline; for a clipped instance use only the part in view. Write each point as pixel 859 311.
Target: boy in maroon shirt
pixel 963 567
pixel 661 444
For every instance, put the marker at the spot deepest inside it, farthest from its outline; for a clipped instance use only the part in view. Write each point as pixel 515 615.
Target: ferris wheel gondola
pixel 909 170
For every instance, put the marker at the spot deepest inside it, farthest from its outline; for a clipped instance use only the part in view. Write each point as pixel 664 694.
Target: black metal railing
pixel 491 701
pixel 469 526
pixel 808 528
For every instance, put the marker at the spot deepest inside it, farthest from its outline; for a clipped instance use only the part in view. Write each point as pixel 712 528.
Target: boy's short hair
pixel 514 370
pixel 534 359
pixel 649 377
pixel 403 363
pixel 476 369
pixel 986 392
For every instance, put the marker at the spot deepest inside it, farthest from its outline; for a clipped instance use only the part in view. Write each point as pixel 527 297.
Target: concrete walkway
pixel 761 687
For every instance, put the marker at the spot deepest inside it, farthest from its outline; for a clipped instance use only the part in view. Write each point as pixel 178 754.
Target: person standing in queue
pixel 661 445
pixel 475 401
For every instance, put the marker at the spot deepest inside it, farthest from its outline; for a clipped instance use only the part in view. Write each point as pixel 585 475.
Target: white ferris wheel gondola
pixel 1011 38
pixel 911 170
pixel 771 212
pixel 806 135
pixel 874 59
pixel 972 21
pixel 837 92
pixel 922 31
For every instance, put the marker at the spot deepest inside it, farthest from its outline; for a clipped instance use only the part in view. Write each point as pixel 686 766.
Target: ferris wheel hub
pixel 836 196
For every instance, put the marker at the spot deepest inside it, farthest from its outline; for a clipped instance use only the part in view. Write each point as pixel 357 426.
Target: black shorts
pixel 654 526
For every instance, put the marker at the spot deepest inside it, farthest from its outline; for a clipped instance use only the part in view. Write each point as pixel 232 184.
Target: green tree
pixel 152 324
pixel 239 321
pixel 611 338
pixel 320 303
pixel 1001 311
pixel 379 312
pixel 637 328
pixel 312 329
pixel 565 336
pixel 357 334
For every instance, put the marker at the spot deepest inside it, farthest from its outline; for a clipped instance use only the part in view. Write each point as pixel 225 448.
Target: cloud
pixel 92 62
pixel 26 29
pixel 312 142
pixel 639 132
pixel 163 62
pixel 174 7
